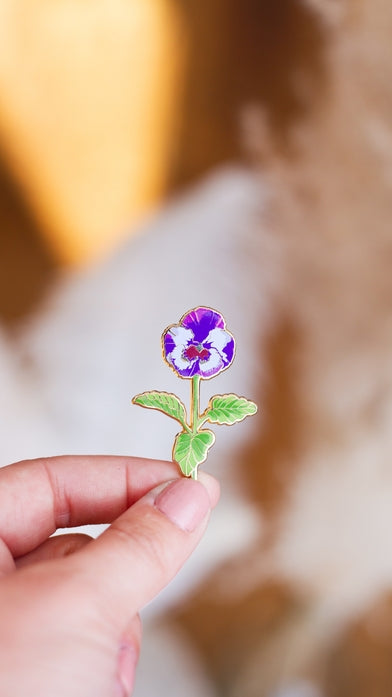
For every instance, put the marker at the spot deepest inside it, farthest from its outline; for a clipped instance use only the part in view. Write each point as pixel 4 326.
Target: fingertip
pixel 185 502
pixel 150 542
pixel 212 485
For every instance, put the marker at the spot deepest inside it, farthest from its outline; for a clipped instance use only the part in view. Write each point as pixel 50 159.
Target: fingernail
pixel 185 502
pixel 127 661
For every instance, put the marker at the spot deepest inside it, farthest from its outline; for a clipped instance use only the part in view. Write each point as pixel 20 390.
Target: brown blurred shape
pixel 360 663
pixel 26 265
pixel 253 53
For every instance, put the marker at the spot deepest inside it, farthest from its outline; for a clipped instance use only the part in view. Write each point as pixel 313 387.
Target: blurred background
pixel 108 108
pixel 156 155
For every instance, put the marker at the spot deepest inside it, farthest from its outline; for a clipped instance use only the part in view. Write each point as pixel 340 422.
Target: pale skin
pixel 69 605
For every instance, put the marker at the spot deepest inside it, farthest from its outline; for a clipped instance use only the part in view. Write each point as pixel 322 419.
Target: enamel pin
pixel 197 348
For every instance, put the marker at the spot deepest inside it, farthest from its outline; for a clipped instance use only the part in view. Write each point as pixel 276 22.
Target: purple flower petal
pixel 168 343
pixel 212 366
pixel 191 370
pixel 199 345
pixel 223 342
pixel 175 340
pixel 201 321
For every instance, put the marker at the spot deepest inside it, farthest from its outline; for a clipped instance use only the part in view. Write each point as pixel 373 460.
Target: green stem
pixel 185 426
pixel 202 419
pixel 195 400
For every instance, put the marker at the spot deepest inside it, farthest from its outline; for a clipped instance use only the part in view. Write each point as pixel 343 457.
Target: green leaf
pixel 229 409
pixel 191 449
pixel 163 401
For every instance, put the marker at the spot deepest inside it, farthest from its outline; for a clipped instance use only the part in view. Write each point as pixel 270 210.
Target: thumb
pixel 145 547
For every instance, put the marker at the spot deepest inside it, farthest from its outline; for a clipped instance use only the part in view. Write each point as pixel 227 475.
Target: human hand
pixel 69 624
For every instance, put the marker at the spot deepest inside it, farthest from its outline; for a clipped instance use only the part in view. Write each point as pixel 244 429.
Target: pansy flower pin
pixel 197 348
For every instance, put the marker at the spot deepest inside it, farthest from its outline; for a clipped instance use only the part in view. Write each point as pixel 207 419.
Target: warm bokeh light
pixel 87 113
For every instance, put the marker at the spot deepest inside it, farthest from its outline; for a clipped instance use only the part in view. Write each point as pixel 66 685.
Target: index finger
pixel 39 496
